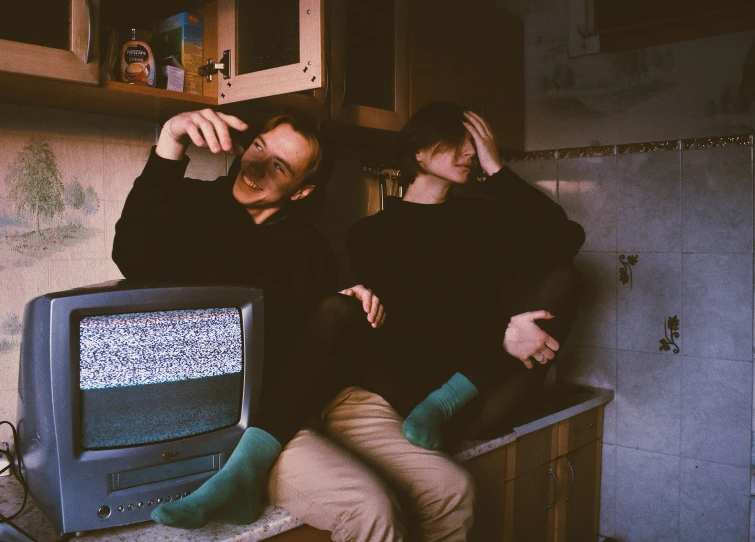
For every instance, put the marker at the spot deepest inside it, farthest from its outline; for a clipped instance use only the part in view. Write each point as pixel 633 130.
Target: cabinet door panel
pixel 582 493
pixel 369 63
pixel 72 55
pixel 534 498
pixel 275 47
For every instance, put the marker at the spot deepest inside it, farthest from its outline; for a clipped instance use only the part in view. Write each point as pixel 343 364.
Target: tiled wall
pixel 669 236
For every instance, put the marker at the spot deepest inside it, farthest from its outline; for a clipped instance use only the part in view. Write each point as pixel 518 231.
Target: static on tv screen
pixel 154 376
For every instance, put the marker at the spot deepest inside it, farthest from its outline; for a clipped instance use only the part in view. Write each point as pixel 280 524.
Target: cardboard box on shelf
pixel 171 74
pixel 181 36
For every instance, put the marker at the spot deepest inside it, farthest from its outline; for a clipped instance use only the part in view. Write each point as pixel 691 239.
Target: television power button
pixel 104 512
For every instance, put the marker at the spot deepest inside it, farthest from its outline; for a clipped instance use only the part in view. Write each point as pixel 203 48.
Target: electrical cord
pixel 16 472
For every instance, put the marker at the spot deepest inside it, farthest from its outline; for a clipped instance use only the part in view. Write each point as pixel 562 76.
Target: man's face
pixel 272 170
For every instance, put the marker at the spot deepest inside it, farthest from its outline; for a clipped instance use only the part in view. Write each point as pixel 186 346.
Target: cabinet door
pixel 275 47
pixel 369 77
pixel 531 500
pixel 52 39
pixel 581 472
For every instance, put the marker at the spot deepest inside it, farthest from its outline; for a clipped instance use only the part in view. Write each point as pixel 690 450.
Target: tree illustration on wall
pixel 74 196
pixel 91 201
pixel 35 181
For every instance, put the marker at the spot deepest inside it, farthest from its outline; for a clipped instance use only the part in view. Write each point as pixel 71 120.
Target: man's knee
pixel 450 507
pixel 375 515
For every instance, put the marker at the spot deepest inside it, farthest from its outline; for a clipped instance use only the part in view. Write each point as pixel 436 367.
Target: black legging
pixel 322 361
pixel 496 409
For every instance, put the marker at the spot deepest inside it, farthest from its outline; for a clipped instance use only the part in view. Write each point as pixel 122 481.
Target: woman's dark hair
pixel 433 124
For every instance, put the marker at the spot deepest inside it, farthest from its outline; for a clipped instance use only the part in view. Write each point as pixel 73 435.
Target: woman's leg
pixel 517 391
pixel 436 491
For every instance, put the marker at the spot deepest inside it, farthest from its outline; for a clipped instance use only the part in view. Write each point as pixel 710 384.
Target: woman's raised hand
pixel 484 142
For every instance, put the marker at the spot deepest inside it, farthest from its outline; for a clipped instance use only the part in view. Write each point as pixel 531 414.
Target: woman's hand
pixel 526 341
pixel 484 142
pixel 205 128
pixel 370 303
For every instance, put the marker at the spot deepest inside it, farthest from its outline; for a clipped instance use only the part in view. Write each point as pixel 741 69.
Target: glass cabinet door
pixel 55 39
pixel 275 47
pixel 369 63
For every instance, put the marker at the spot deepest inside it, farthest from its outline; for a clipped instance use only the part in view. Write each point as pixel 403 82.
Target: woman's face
pixel 451 164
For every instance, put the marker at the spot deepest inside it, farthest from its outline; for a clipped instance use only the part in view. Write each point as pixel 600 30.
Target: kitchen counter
pixel 557 406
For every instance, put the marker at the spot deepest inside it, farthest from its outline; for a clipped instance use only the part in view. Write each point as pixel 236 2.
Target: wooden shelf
pixel 115 99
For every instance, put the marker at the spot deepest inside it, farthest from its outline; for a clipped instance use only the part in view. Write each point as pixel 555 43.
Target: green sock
pixel 233 493
pixel 424 424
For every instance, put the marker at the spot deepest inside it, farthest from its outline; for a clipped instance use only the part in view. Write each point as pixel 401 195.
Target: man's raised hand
pixel 205 128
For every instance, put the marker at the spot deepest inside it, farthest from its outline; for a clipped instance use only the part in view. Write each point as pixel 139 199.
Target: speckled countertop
pixel 274 520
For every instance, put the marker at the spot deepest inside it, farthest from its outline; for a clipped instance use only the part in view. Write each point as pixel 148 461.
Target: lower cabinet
pixel 544 486
pixel 579 475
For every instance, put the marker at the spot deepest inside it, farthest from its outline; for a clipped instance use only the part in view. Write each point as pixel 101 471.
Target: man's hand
pixel 526 341
pixel 370 302
pixel 484 142
pixel 205 128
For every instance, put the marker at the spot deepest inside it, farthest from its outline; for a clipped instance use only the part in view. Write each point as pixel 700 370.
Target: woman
pixel 456 275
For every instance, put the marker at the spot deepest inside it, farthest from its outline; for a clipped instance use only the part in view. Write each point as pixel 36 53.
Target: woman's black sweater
pixel 439 270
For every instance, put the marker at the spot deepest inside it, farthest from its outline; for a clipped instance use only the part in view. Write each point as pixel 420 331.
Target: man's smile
pixel 251 184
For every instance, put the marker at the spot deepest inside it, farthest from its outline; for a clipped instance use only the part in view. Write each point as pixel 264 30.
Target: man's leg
pixel 439 491
pixel 296 386
pixel 330 489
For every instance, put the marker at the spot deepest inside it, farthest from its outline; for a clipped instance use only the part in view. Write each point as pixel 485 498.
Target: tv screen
pixel 133 394
pixel 155 376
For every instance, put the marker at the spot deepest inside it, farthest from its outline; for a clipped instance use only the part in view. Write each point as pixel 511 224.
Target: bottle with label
pixel 137 62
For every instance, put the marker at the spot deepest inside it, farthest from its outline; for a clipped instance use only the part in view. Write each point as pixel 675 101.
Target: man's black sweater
pixel 439 270
pixel 182 230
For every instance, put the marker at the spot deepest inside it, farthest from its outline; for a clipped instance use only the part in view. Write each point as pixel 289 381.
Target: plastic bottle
pixel 137 62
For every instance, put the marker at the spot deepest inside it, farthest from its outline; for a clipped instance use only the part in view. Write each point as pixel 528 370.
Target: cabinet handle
pixel 343 90
pixel 90 12
pixel 571 486
pixel 555 488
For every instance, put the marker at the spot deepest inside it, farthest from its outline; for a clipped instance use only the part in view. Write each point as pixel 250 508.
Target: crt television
pixel 131 395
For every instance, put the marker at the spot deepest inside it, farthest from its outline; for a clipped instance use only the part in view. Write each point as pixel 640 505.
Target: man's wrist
pixel 169 149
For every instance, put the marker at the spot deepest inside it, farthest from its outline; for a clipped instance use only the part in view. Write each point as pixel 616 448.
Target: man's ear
pixel 303 192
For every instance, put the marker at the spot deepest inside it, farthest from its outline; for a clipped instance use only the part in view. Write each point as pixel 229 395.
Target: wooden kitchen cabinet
pixel 269 67
pixel 442 50
pixel 369 75
pixel 67 51
pixel 368 63
pixel 275 47
pixel 544 486
pixel 579 474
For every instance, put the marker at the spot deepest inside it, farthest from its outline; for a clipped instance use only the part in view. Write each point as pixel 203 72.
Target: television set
pixel 131 395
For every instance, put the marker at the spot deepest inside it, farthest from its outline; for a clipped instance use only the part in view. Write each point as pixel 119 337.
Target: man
pixel 252 226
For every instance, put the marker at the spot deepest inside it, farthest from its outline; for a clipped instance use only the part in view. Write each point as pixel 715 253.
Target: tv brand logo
pixel 170 455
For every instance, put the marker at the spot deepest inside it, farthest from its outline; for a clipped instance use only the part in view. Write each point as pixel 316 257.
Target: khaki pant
pixel 367 482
